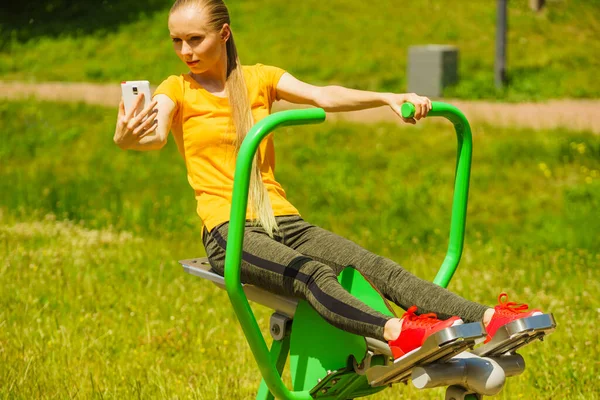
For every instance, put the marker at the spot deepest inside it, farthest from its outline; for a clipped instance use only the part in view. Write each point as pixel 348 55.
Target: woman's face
pixel 194 42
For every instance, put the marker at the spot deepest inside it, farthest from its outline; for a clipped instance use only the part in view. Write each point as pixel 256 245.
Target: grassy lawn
pixel 553 54
pixel 94 305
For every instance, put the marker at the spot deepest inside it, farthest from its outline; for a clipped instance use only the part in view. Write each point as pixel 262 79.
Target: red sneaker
pixel 507 312
pixel 417 328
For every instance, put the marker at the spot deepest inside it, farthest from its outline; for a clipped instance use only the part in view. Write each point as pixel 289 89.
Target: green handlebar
pixel 461 184
pixel 439 109
pixel 235 239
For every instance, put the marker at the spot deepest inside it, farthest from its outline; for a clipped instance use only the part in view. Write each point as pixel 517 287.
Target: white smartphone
pixel 132 89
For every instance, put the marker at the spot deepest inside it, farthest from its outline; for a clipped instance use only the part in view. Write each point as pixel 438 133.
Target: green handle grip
pixel 439 109
pixel 408 110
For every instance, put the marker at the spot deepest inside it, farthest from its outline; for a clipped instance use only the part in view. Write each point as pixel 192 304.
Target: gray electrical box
pixel 431 68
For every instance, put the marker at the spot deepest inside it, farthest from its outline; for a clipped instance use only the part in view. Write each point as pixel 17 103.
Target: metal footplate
pixel 517 334
pixel 442 346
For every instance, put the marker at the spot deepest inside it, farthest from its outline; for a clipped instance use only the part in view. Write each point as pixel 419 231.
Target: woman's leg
pixel 393 281
pixel 273 266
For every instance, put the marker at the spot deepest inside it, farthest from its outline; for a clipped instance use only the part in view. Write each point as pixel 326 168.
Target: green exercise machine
pixel 328 363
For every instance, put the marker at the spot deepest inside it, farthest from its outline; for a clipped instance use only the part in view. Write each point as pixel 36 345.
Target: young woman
pixel 209 111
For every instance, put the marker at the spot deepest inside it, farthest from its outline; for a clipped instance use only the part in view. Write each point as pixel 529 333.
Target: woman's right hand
pixel 130 129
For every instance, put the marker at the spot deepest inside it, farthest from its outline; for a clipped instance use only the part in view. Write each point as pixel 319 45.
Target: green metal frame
pixel 461 184
pixel 271 363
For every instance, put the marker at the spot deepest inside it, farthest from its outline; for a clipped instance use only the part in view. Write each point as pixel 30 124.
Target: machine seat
pixel 282 304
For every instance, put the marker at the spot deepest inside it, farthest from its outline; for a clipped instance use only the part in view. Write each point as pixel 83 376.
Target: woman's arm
pixel 149 129
pixel 338 98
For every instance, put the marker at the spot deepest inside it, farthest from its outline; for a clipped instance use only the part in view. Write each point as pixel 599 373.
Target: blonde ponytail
pixel 258 197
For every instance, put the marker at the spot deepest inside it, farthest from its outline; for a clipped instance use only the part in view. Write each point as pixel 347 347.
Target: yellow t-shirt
pixel 204 133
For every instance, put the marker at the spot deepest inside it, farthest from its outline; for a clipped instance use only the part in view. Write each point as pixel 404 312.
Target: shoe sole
pixel 455 323
pixel 439 346
pixel 516 334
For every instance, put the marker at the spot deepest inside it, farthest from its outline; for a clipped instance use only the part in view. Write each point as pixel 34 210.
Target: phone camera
pixel 135 90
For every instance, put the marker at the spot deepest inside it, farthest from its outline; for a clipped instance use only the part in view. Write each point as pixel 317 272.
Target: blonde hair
pixel 239 104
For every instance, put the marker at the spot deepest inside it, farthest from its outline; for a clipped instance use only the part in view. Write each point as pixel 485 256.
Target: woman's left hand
pixel 422 105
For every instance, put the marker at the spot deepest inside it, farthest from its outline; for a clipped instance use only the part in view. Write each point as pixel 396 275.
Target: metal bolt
pixel 333 382
pixel 275 329
pixel 324 391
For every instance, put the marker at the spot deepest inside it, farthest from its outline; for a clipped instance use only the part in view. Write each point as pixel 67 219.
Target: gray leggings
pixel 304 260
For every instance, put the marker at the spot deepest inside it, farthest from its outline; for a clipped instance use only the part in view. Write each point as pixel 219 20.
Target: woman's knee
pixel 318 273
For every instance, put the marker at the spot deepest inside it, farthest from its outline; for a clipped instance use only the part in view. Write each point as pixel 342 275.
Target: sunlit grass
pixel 93 303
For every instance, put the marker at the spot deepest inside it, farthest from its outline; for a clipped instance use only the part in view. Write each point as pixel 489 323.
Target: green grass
pixel 94 305
pixel 552 54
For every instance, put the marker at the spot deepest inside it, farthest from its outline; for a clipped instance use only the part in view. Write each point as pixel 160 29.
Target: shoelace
pixel 510 306
pixel 423 319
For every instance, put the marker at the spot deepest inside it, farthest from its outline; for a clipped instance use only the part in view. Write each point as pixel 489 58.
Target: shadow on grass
pixel 26 20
